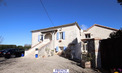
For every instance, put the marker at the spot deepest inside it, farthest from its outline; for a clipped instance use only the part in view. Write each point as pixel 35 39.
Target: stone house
pixel 70 36
pixel 59 37
pixel 91 41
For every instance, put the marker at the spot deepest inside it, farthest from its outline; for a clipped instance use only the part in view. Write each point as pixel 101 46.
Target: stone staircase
pixel 46 50
pixel 41 48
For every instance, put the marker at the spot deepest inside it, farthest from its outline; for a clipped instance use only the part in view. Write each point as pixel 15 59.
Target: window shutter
pixel 38 38
pixel 57 48
pixel 64 47
pixel 63 35
pixel 57 35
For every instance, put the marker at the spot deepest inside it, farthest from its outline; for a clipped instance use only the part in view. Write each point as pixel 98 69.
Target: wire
pixel 47 12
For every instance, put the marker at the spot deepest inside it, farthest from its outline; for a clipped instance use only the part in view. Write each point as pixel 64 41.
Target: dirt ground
pixel 40 65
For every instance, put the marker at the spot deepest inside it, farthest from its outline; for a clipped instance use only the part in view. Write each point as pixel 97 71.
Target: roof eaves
pixel 78 26
pixel 57 27
pixel 102 27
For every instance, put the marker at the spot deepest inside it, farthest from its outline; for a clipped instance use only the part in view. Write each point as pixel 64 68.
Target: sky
pixel 19 17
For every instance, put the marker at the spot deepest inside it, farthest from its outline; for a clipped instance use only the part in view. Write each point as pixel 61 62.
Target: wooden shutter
pixel 57 35
pixel 57 49
pixel 38 38
pixel 63 35
pixel 64 47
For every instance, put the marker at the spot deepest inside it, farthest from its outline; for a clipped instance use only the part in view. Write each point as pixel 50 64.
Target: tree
pixel 1 39
pixel 117 34
pixel 20 47
pixel 119 1
pixel 27 46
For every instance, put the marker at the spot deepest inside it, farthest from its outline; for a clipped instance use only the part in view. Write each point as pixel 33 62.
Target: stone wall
pixel 99 32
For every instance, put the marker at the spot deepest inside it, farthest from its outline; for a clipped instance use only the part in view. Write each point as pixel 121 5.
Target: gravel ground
pixel 40 65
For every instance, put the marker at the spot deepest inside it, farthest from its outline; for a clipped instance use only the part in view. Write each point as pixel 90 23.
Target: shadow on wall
pixel 73 50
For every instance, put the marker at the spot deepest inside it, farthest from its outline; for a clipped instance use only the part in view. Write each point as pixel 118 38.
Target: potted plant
pixel 86 60
pixel 52 52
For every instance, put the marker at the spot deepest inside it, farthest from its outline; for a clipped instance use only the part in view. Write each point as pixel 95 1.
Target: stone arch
pixel 48 37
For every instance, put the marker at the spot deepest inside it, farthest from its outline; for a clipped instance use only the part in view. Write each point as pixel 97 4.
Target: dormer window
pixel 88 35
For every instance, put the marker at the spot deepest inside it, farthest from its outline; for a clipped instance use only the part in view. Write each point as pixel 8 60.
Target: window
pixel 42 37
pixel 87 36
pixel 85 47
pixel 61 48
pixel 61 35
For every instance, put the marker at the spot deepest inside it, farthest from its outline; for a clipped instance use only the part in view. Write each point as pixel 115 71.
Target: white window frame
pixel 60 35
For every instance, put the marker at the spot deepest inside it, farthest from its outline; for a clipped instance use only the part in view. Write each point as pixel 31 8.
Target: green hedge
pixel 14 46
pixel 7 46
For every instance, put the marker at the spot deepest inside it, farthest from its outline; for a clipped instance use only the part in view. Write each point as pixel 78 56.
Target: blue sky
pixel 19 17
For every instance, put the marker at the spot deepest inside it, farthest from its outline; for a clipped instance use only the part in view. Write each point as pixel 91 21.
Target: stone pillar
pixel 97 55
pixel 53 40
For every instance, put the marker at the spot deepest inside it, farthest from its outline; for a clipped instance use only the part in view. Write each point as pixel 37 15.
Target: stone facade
pixel 98 31
pixel 61 37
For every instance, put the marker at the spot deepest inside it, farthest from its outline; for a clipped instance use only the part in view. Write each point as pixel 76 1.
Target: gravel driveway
pixel 41 65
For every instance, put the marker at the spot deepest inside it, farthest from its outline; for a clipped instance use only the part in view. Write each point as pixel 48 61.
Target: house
pixel 70 36
pixel 91 41
pixel 60 37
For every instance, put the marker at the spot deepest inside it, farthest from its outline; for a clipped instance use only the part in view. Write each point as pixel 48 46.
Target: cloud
pixel 83 27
